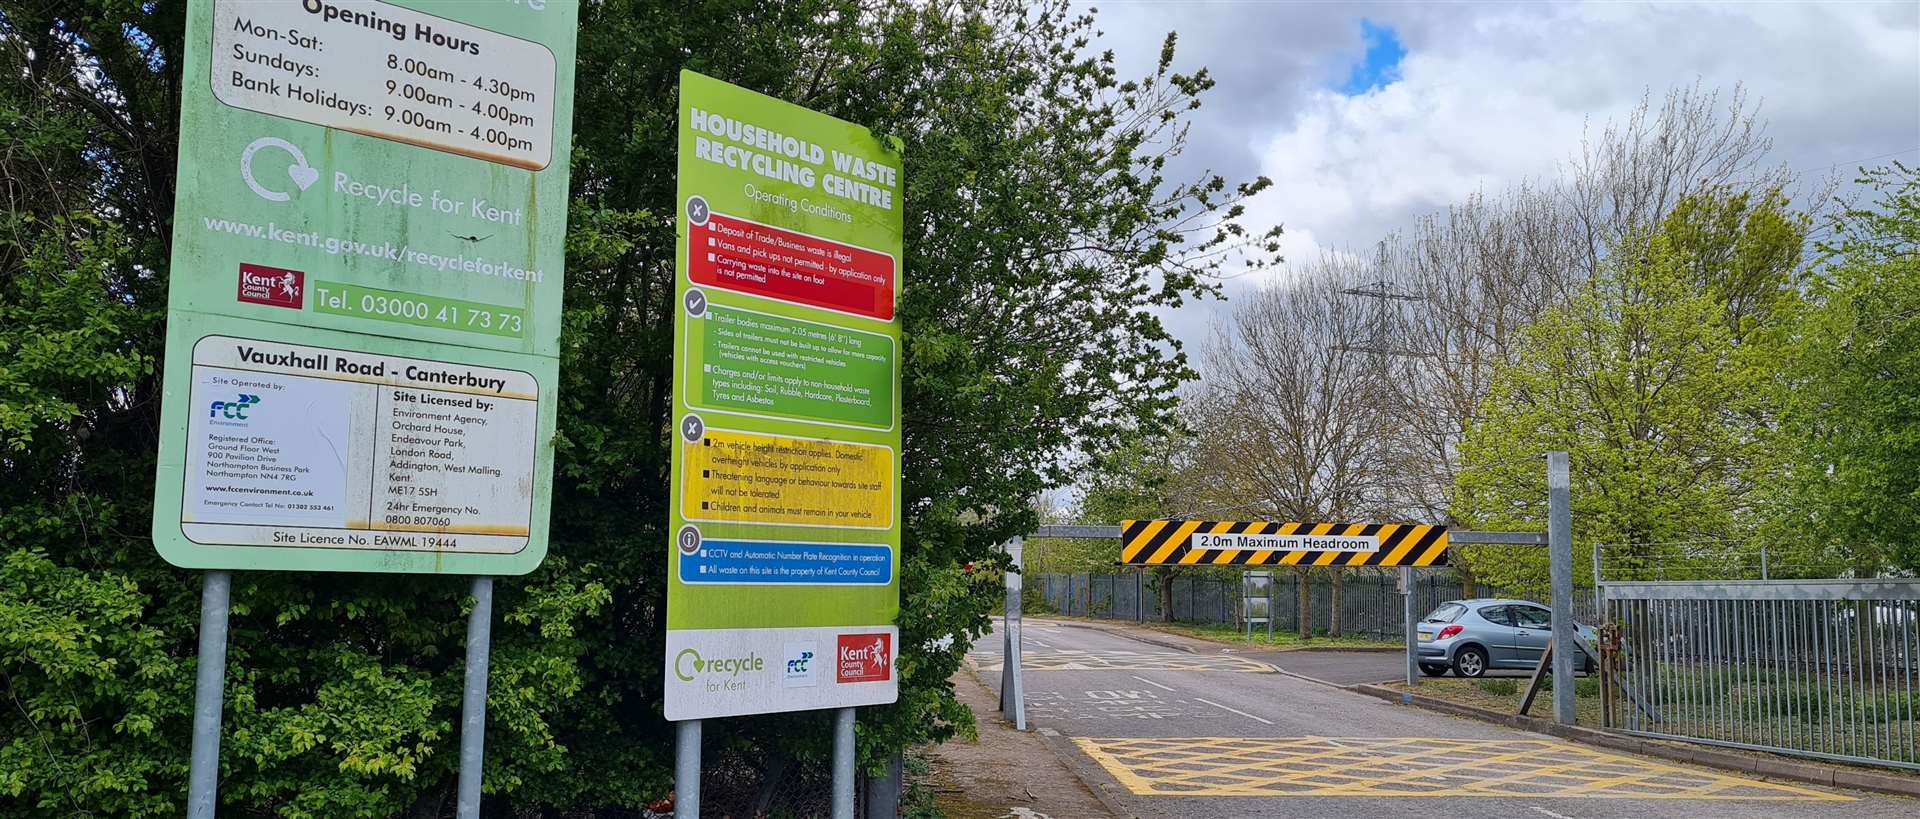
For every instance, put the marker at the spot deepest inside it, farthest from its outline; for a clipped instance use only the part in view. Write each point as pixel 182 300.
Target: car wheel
pixel 1433 670
pixel 1470 662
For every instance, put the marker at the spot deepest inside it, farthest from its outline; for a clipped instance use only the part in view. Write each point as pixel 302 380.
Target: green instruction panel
pixel 364 315
pixel 784 562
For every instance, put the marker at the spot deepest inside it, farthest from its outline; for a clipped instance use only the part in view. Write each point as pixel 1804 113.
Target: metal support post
pixel 209 694
pixel 1560 555
pixel 686 768
pixel 473 701
pixel 883 792
pixel 843 763
pixel 1270 579
pixel 1599 588
pixel 1013 702
pixel 1413 644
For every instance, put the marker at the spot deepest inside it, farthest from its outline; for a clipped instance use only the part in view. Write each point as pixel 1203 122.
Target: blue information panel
pixel 788 563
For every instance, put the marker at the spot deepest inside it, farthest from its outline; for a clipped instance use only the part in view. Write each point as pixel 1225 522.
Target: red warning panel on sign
pixel 750 257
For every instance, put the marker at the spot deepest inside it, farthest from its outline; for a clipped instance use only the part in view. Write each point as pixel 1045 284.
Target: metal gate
pixel 1818 668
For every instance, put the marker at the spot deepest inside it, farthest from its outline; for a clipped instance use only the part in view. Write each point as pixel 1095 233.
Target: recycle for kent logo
pixel 688 663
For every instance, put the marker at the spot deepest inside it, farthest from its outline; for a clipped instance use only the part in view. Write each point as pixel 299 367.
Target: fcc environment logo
pixel 232 413
pixel 798 672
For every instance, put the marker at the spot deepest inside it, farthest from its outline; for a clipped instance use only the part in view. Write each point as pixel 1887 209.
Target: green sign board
pixel 364 315
pixel 784 563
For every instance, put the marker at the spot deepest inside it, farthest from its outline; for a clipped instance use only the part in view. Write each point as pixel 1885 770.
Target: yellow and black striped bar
pixel 1169 543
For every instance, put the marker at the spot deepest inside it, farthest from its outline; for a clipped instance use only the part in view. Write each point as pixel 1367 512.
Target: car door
pixel 1499 636
pixel 1533 630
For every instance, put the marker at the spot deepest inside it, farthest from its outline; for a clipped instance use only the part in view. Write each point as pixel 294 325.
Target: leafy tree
pixel 1141 478
pixel 1855 409
pixel 1659 378
pixel 1473 276
pixel 1041 233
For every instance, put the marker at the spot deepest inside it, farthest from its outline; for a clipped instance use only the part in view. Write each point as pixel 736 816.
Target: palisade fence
pixel 1370 600
pixel 1821 668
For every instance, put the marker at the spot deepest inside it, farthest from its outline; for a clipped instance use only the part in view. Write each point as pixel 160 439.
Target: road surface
pixel 1160 725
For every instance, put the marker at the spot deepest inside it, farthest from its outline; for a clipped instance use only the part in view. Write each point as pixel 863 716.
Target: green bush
pixel 89 684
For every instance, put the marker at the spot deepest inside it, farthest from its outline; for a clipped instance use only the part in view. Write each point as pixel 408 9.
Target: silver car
pixel 1475 636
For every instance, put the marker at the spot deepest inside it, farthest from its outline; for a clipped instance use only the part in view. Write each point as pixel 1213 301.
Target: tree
pixel 1464 284
pixel 1855 410
pixel 1144 477
pixel 1296 421
pixel 1475 276
pixel 1659 378
pixel 1028 340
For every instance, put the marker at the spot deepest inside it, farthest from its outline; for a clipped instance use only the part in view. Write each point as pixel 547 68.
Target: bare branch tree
pixel 1294 418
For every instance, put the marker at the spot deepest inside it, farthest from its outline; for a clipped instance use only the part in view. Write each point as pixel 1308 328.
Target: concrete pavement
pixel 1160 725
pixel 1004 772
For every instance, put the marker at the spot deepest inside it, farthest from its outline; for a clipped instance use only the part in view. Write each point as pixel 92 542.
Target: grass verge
pixel 1502 695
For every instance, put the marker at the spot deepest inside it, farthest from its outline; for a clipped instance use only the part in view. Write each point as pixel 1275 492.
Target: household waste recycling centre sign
pixel 364 316
pixel 784 562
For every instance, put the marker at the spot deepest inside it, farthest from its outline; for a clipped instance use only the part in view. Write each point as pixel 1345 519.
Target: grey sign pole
pixel 686 768
pixel 209 696
pixel 473 700
pixel 1413 645
pixel 1560 557
pixel 843 763
pixel 1013 701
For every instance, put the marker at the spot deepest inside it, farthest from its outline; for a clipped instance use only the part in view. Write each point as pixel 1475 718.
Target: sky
pixel 1368 115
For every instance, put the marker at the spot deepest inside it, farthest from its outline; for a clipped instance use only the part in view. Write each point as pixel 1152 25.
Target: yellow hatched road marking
pixel 1411 766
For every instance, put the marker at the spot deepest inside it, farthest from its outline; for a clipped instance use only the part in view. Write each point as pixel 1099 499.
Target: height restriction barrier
pixel 1226 543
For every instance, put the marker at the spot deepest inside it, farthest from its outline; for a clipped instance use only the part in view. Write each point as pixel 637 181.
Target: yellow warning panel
pixel 745 477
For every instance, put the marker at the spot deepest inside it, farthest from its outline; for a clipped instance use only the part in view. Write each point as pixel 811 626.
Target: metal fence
pixel 1821 668
pixel 1370 601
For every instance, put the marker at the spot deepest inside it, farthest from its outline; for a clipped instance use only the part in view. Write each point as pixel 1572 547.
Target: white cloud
pixel 1491 96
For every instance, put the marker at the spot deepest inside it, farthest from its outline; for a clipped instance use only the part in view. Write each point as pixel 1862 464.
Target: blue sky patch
pixel 1381 65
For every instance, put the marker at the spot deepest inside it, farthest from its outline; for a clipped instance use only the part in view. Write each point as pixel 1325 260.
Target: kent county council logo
pixel 225 413
pixel 272 286
pixel 799 669
pixel 863 658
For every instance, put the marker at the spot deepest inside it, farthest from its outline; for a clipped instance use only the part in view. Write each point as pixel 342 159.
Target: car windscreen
pixel 1446 613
